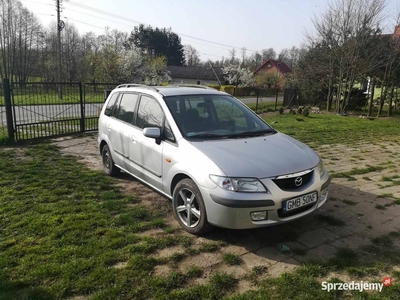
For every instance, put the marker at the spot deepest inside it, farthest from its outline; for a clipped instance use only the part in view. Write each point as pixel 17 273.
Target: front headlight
pixel 247 185
pixel 321 167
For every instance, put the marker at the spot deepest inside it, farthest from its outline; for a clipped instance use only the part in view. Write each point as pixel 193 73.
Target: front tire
pixel 108 164
pixel 189 207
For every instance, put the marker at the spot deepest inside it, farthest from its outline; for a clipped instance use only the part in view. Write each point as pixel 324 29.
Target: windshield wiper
pixel 206 135
pixel 252 133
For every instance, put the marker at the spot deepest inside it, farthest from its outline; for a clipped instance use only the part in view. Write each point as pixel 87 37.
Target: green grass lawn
pixel 320 129
pixel 52 98
pixel 66 229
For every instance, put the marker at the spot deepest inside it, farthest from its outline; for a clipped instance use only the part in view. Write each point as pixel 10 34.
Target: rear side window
pixel 149 114
pixel 111 105
pixel 127 107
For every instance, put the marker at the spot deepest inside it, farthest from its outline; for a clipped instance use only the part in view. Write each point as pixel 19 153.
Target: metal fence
pixel 3 120
pixel 48 109
pixel 94 95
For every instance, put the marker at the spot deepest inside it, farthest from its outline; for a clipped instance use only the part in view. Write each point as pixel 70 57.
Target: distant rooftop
pixel 281 66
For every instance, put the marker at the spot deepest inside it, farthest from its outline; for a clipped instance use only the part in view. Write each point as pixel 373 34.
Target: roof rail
pixel 126 85
pixel 193 86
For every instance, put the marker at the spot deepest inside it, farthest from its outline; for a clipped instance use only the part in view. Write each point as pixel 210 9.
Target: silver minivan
pixel 218 161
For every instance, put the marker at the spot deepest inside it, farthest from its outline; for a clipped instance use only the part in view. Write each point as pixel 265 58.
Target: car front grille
pixel 292 183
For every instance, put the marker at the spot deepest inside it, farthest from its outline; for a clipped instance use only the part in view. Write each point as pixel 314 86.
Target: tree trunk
pixel 391 99
pixel 371 99
pixel 383 97
pixel 329 100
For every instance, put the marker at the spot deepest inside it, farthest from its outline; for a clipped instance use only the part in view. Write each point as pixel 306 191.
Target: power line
pixel 88 24
pixel 97 17
pixel 211 54
pixel 103 12
pixel 138 22
pixel 36 2
pixel 68 18
pixel 43 14
pixel 69 9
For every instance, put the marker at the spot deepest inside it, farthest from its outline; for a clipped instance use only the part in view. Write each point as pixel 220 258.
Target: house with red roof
pixel 272 73
pixel 271 65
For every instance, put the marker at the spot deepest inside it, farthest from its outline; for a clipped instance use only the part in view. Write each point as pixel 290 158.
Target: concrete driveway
pixel 361 206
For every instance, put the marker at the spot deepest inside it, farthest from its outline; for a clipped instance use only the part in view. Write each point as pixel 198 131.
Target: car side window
pixel 168 135
pixel 111 105
pixel 127 107
pixel 149 114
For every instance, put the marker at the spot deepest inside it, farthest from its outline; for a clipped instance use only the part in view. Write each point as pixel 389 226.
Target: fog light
pixel 324 195
pixel 259 215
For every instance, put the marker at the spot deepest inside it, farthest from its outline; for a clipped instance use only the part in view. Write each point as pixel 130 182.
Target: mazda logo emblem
pixel 298 181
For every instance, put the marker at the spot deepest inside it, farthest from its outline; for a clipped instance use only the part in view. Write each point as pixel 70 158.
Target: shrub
pixel 248 91
pixel 230 89
pixel 215 86
pixel 305 112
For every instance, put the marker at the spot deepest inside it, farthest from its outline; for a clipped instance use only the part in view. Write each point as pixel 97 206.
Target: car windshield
pixel 214 117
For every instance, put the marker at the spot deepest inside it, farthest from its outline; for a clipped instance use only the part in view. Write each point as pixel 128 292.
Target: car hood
pixel 260 157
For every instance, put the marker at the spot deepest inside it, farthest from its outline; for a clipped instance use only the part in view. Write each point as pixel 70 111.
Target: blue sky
pixel 253 24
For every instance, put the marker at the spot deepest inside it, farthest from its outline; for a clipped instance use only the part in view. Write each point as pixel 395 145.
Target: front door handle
pixel 133 138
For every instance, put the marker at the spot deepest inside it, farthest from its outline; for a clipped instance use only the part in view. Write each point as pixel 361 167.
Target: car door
pixel 110 128
pixel 145 153
pixel 122 128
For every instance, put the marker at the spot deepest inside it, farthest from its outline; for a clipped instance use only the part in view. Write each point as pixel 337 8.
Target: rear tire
pixel 189 207
pixel 108 164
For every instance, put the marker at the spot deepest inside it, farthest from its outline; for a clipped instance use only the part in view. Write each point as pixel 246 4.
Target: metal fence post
pixel 82 104
pixel 7 103
pixel 258 94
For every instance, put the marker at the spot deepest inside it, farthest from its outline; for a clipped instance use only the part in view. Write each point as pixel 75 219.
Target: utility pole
pixel 276 83
pixel 60 26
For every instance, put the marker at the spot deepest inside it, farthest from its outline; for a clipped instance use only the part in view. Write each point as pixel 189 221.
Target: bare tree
pixel 19 30
pixel 391 76
pixel 244 57
pixel 192 56
pixel 290 56
pixel 348 32
pixel 268 54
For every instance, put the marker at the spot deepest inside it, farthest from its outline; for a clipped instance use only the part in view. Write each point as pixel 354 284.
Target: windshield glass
pixel 214 117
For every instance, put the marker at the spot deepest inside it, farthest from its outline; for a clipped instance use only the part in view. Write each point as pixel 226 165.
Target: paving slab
pixel 316 237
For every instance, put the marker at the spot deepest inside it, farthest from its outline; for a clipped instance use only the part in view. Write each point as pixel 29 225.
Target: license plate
pixel 299 202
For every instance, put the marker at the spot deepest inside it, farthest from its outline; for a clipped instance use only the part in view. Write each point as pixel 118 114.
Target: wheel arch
pixel 178 177
pixel 102 144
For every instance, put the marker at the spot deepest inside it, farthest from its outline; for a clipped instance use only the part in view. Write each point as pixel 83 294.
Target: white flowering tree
pixel 238 76
pixel 141 67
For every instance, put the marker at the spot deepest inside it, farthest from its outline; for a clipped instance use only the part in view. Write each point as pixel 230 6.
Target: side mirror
pixel 152 132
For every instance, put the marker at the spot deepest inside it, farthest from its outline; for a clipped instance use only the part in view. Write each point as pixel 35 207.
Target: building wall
pixel 192 81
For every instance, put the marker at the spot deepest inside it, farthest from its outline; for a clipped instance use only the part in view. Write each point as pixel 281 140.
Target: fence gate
pixel 94 95
pixel 290 97
pixel 35 110
pixel 42 109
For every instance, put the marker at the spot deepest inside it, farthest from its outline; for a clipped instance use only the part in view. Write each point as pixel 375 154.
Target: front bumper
pixel 232 210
